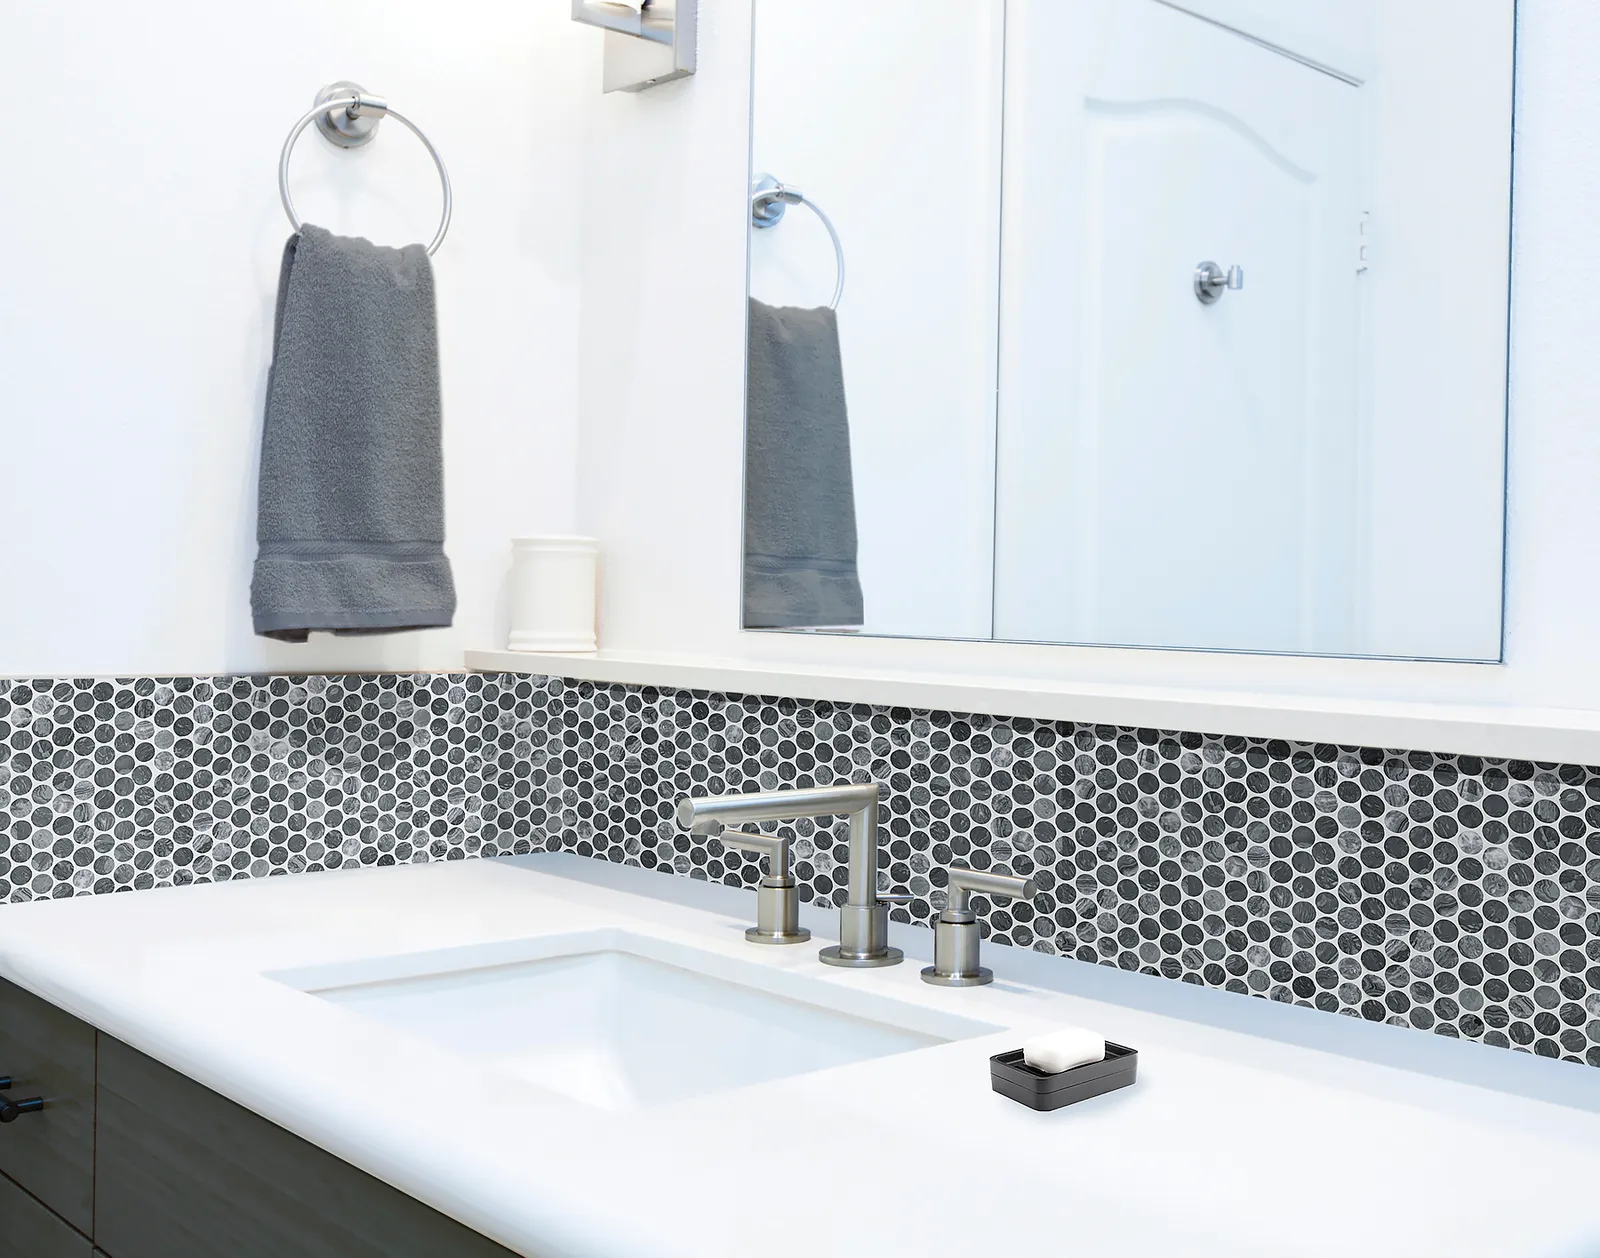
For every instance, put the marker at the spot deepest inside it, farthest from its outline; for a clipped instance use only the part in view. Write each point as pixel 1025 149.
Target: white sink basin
pixel 625 1021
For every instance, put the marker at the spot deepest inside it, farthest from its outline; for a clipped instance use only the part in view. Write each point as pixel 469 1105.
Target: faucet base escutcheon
pixel 864 936
pixel 978 978
pixel 832 956
pixel 798 935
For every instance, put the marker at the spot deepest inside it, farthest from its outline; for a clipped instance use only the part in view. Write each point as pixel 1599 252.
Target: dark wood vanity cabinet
pixel 130 1159
pixel 29 1230
pixel 51 1154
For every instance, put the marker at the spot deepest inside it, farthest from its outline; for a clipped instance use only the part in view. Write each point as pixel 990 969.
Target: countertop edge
pixel 1509 731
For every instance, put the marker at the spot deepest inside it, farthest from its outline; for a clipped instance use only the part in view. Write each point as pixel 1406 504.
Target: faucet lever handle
pixel 774 848
pixel 964 883
pixel 956 934
pixel 894 897
pixel 778 897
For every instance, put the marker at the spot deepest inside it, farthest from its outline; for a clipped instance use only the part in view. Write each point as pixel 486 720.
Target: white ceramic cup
pixel 552 593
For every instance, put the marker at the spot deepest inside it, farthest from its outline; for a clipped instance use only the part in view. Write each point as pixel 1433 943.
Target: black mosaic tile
pixel 1451 894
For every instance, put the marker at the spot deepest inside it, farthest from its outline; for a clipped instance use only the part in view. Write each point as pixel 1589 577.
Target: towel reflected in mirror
pixel 800 568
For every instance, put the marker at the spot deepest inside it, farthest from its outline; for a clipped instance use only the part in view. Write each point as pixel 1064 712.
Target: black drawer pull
pixel 11 1110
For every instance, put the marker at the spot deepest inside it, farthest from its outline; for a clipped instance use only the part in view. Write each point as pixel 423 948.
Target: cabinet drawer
pixel 28 1230
pixel 50 1054
pixel 184 1173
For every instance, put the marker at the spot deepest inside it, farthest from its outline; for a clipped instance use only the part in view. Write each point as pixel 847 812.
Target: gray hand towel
pixel 351 521
pixel 800 507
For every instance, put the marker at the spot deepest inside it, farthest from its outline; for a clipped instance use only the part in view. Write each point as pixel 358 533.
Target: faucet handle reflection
pixel 956 936
pixel 777 895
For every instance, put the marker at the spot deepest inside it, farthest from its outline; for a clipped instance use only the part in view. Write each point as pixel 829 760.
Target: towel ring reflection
pixel 350 127
pixel 769 199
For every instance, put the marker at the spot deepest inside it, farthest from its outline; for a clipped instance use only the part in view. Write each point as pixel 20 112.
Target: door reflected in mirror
pixel 1156 323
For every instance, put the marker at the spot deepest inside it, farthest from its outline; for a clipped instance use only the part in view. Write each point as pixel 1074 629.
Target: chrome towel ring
pixel 348 116
pixel 770 198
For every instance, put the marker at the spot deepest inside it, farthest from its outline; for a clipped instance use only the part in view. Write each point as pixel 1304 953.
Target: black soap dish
pixel 1010 1076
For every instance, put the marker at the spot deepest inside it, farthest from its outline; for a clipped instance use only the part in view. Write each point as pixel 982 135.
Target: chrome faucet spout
pixel 858 802
pixel 864 919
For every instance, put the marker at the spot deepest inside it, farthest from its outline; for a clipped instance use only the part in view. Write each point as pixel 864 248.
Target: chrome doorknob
pixel 1211 281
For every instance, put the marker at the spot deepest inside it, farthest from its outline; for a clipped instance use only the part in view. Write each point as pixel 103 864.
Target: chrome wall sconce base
pixel 646 45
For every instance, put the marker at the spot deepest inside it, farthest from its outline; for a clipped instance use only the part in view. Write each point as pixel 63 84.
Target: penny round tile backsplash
pixel 1452 894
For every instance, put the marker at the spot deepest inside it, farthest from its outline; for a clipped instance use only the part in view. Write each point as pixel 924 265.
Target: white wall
pixel 139 207
pixel 660 461
pixel 135 313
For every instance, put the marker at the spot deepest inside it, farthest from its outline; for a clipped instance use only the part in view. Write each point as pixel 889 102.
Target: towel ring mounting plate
pixel 350 127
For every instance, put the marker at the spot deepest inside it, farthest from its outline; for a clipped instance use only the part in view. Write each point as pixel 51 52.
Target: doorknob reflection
pixel 1211 281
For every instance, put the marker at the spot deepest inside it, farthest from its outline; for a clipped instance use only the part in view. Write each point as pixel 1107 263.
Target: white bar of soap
pixel 1063 1049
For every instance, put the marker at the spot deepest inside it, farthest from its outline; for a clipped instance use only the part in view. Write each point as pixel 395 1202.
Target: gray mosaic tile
pixel 1452 894
pixel 119 785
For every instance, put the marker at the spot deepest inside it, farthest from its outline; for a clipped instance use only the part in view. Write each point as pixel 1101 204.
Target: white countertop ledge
pixel 1254 1129
pixel 1511 731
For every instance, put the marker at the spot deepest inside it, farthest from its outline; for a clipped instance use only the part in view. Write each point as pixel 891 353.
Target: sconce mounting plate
pixel 646 44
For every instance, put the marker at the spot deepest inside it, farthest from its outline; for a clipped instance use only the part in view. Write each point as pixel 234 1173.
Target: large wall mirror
pixel 1160 323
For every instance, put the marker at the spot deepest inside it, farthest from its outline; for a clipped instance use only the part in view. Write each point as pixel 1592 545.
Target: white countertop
pixel 1253 1129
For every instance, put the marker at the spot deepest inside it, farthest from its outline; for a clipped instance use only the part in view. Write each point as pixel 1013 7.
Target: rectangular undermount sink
pixel 624 1021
